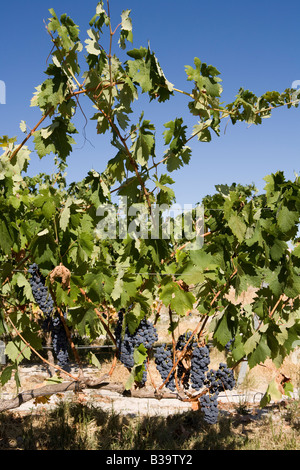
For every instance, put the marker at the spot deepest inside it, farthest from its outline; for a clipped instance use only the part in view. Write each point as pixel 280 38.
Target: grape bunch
pixel 145 334
pixel 209 407
pixel 183 372
pixel 125 345
pixel 219 380
pixel 199 365
pixel 200 376
pixel 193 370
pixel 225 375
pixel 199 362
pixel 164 363
pixel 126 350
pixel 40 292
pixel 50 323
pixel 216 381
pixel 60 342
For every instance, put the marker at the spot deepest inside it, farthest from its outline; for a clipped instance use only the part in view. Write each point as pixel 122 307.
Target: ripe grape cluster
pixel 199 365
pixel 195 375
pixel 183 372
pixel 145 334
pixel 164 362
pixel 219 380
pixel 39 290
pixel 216 381
pixel 50 322
pixel 209 407
pixel 60 342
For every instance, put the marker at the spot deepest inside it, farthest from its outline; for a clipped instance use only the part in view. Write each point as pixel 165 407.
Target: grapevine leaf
pixel 139 72
pixel 94 361
pixel 179 300
pixel 59 141
pixel 137 53
pixel 6 236
pixel 92 45
pixel 23 126
pixel 43 232
pixel 134 317
pixel 222 332
pixel 139 356
pixel 182 302
pixel 252 342
pixel 54 380
pixel 287 219
pixel 85 319
pixel 260 354
pixel 21 281
pixel 272 393
pixel 65 215
pixel 17 350
pixel 126 29
pixel 237 226
pixel 206 77
pixel 6 374
pixel 176 161
pixel 278 249
pixel 288 388
pixel 198 267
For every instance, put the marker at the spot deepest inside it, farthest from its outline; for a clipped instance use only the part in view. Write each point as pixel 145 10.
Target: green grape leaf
pixel 260 354
pixel 237 226
pixel 287 219
pixel 17 350
pixel 6 374
pixel 206 77
pixel 272 393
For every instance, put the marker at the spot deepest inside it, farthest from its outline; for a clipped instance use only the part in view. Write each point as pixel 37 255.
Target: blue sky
pixel 254 45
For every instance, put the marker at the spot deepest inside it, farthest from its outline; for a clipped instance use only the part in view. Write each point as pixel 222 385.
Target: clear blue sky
pixel 255 45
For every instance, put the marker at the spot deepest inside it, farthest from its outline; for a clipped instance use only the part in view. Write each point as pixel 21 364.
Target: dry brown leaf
pixel 42 400
pixel 281 379
pixel 61 272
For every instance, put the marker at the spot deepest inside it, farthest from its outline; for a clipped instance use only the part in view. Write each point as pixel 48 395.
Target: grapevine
pixel 196 375
pixel 247 236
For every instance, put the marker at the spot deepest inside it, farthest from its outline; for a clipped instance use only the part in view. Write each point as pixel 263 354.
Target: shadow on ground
pixel 78 426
